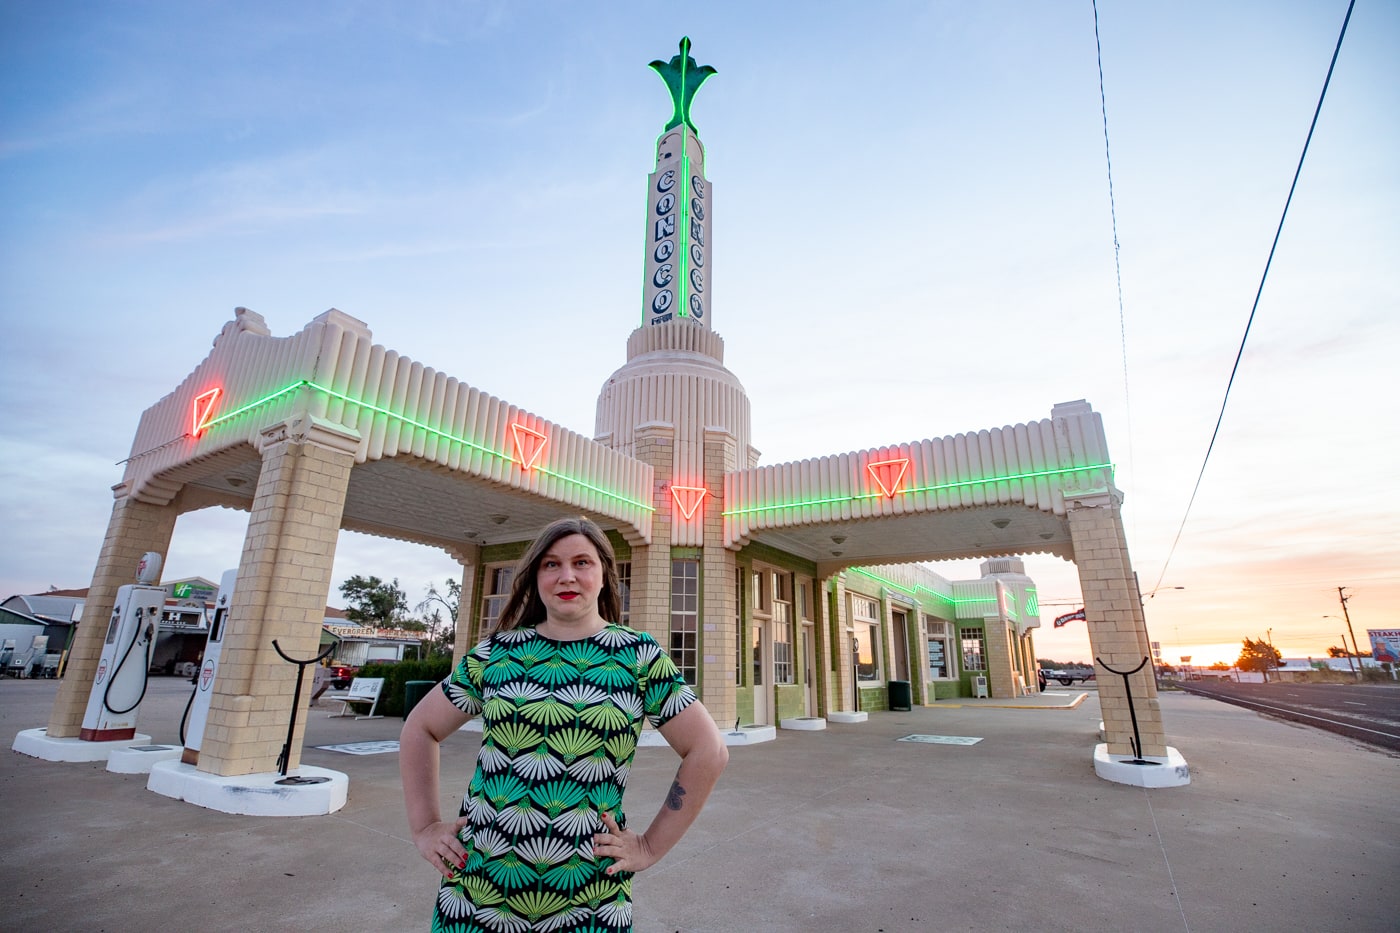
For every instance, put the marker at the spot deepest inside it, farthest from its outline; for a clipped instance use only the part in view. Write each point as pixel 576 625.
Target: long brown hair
pixel 524 607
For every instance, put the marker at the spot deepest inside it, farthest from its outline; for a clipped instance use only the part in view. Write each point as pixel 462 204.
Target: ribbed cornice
pixel 1038 465
pixel 674 375
pixel 332 371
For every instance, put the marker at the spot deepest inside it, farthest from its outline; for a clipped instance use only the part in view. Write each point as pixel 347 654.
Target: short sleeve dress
pixel 561 720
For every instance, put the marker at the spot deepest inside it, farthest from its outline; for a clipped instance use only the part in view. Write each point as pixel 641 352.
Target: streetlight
pixel 1350 663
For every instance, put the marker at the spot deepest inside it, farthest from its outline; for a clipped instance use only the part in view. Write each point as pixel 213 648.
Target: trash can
pixel 900 696
pixel 413 691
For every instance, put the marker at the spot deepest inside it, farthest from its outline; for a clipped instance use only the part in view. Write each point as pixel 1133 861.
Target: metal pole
pixel 1354 647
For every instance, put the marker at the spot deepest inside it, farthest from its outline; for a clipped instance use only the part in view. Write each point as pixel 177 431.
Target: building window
pixel 685 617
pixel 782 643
pixel 783 672
pixel 498 580
pixel 804 599
pixel 974 649
pixel 939 652
pixel 762 593
pixel 624 580
pixel 865 628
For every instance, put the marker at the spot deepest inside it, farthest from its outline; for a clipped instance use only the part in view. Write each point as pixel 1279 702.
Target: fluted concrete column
pixel 284 577
pixel 134 528
pixel 1117 629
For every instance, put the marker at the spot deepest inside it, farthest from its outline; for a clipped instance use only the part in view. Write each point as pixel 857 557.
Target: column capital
pixel 308 429
pixel 1110 498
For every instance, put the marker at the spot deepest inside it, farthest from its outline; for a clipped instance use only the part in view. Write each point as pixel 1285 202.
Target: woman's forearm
pixel 696 778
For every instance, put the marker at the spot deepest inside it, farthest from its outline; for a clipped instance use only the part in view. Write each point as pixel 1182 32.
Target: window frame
pixel 868 627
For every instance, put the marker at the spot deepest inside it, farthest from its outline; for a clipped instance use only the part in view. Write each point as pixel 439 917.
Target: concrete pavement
pixel 847 829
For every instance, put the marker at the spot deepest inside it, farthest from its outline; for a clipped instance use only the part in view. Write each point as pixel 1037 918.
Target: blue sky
pixel 912 239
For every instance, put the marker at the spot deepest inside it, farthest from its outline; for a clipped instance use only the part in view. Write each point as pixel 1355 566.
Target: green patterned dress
pixel 561 721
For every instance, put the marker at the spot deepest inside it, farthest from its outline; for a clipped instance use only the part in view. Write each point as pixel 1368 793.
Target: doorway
pixel 900 649
pixel 809 669
pixel 762 671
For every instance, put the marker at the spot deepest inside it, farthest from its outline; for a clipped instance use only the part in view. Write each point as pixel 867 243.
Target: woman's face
pixel 569 579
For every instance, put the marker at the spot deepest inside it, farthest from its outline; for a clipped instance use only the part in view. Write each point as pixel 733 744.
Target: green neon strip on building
pixel 937 487
pixel 414 423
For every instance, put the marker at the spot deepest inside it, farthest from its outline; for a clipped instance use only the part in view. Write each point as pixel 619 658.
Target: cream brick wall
pixel 718 632
pixel 283 580
pixel 134 528
pixel 1117 630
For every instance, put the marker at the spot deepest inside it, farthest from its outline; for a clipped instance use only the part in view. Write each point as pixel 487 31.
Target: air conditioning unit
pixel 979 687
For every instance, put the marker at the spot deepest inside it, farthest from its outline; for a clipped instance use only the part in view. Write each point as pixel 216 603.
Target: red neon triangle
pixel 688 499
pixel 529 445
pixel 888 474
pixel 202 411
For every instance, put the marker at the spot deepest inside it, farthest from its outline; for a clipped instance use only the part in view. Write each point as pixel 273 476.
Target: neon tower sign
pixel 678 205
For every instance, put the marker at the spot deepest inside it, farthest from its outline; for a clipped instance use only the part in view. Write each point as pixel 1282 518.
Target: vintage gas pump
pixel 125 663
pixel 197 712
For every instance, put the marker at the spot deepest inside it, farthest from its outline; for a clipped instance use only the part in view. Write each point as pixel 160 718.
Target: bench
pixel 363 690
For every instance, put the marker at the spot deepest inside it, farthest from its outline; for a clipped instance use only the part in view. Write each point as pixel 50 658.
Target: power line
pixel 1113 217
pixel 1262 279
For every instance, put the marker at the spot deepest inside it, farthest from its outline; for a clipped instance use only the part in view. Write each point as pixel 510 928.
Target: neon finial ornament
pixel 688 499
pixel 683 78
pixel 888 474
pixel 202 411
pixel 529 445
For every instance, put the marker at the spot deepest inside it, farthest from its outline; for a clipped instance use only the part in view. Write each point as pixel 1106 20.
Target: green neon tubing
pixel 918 588
pixel 682 299
pixel 413 423
pixel 937 487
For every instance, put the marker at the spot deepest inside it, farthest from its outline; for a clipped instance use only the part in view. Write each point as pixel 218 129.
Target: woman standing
pixel 542 842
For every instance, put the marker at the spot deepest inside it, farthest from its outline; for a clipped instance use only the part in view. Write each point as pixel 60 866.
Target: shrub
pixel 398 673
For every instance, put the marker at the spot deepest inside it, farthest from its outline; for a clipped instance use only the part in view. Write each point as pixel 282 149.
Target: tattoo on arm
pixel 673 799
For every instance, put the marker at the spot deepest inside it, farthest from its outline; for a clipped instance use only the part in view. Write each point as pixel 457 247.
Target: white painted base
pixel 804 723
pixel 140 759
pixel 251 794
pixel 37 744
pixel 1171 771
pixel 846 715
pixel 750 735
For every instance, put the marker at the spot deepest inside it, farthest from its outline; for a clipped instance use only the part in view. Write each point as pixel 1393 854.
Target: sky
pixel 913 237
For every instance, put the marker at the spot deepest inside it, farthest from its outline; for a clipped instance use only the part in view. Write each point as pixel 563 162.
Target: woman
pixel 541 841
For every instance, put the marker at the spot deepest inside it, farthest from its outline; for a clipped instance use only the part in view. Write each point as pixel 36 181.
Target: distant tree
pixel 442 631
pixel 1218 666
pixel 1259 656
pixel 1335 652
pixel 374 602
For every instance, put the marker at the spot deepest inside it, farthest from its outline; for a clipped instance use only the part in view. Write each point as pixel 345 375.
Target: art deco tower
pixel 675 372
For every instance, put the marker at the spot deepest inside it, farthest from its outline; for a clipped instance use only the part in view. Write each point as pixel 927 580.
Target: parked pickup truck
pixel 342 674
pixel 1068 678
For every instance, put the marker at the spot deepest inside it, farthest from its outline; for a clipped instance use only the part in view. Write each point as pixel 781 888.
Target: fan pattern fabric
pixel 561 720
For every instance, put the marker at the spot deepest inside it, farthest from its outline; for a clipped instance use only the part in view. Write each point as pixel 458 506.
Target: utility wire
pixel 1113 216
pixel 1262 279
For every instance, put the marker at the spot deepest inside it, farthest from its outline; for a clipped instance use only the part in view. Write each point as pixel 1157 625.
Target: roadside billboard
pixel 1385 644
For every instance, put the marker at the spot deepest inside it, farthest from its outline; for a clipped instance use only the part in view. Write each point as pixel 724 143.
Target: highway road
pixel 1367 712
